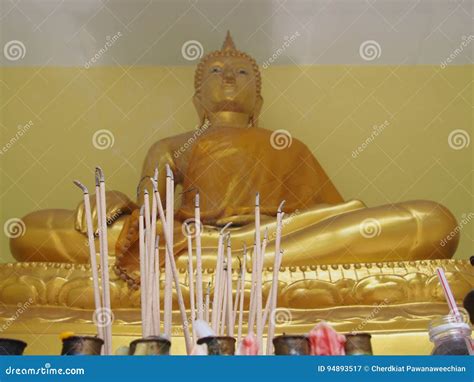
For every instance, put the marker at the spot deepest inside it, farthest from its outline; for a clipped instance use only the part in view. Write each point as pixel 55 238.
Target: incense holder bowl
pixel 291 345
pixel 222 345
pixel 150 346
pixel 11 347
pixel 82 345
pixel 358 344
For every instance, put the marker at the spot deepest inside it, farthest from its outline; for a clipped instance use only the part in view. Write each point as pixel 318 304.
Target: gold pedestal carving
pixel 393 301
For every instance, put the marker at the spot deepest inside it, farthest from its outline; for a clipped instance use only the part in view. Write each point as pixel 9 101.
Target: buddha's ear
pixel 199 108
pixel 257 110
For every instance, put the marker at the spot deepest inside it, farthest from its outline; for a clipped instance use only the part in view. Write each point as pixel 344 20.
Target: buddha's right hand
pixel 118 204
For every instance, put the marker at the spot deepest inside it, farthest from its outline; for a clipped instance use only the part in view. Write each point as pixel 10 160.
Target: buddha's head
pixel 227 87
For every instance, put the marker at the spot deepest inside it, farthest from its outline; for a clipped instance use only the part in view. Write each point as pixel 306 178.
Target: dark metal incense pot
pixel 218 345
pixel 358 344
pixel 150 346
pixel 11 347
pixel 82 345
pixel 291 345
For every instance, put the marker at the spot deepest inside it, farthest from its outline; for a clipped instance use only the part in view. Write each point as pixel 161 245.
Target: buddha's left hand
pixel 118 204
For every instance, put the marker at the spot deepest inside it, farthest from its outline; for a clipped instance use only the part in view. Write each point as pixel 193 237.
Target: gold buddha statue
pixel 357 267
pixel 228 162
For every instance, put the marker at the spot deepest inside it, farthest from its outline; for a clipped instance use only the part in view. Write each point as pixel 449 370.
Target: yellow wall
pixel 330 108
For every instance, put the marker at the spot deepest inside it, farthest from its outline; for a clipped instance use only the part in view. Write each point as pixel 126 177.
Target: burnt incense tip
pixel 157 241
pixel 225 227
pixel 142 211
pixel 280 207
pixel 257 199
pixel 145 192
pixel 154 183
pixel 188 230
pixel 155 175
pixel 196 200
pixel 100 173
pixel 81 186
pixel 169 173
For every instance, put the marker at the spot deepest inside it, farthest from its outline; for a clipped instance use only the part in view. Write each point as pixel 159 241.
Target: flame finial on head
pixel 228 45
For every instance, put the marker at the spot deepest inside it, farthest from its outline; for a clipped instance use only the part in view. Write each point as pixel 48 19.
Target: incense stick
pixel 105 261
pixel 259 321
pixel 206 309
pixel 148 266
pixel 168 283
pixel 276 267
pixel 92 253
pixel 197 222
pixel 152 254
pixel 253 302
pixel 217 280
pixel 237 292
pixel 223 297
pixel 141 249
pixel 191 280
pixel 242 296
pixel 174 271
pixel 156 288
pixel 230 313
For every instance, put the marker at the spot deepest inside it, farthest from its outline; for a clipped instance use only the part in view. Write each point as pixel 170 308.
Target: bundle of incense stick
pixel 227 308
pixel 103 315
pixel 171 272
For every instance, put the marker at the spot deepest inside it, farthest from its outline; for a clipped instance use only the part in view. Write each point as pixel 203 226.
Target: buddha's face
pixel 228 84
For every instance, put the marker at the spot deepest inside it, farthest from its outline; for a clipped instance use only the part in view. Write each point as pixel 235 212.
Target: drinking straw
pixel 448 294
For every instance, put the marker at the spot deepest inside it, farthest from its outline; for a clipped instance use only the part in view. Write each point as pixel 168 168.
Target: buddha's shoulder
pixel 170 143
